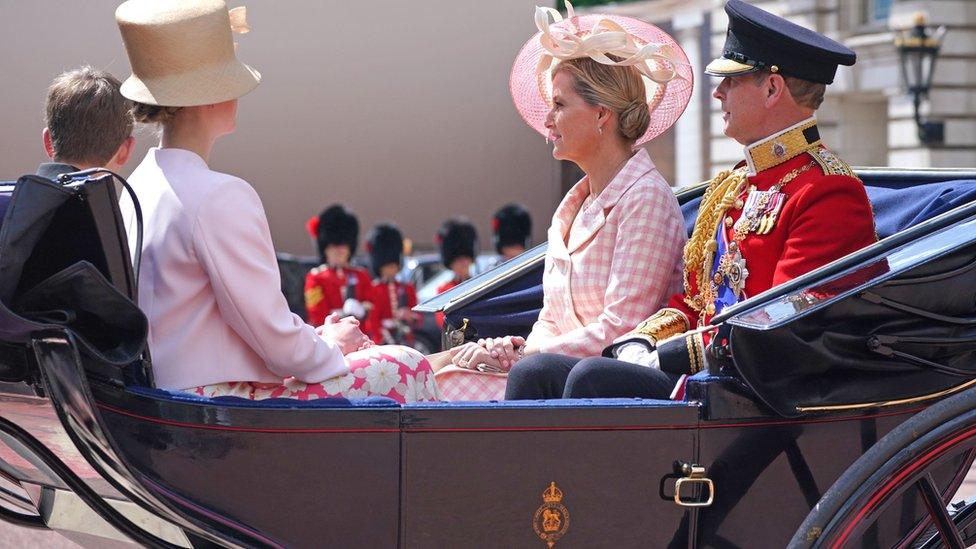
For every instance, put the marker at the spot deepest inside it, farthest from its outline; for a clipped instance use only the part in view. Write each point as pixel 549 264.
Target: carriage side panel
pixel 575 473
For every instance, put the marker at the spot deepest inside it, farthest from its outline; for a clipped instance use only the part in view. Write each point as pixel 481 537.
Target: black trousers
pixel 546 376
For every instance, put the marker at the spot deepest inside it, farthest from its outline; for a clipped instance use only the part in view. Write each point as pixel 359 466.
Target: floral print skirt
pixel 392 371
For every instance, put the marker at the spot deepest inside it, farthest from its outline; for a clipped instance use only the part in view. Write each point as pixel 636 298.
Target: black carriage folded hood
pixel 892 324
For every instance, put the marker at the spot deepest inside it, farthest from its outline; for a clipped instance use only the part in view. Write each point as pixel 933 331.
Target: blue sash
pixel 724 296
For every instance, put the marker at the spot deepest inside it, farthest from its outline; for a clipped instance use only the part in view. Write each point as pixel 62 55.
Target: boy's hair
pixel 87 116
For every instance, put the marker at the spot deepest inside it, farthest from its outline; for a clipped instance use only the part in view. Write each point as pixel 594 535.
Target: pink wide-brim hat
pixel 667 74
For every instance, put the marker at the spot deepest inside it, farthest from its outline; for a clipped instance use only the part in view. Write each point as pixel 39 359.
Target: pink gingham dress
pixel 612 261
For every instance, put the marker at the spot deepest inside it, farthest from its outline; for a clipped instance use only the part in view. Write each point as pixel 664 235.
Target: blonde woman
pixel 614 253
pixel 209 283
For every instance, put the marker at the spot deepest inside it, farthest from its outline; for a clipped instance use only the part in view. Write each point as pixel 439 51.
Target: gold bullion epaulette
pixel 830 163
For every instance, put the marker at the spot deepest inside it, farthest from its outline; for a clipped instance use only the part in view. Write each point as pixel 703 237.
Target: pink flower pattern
pixel 392 371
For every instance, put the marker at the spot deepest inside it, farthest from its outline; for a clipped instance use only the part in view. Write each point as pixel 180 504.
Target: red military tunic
pixel 449 284
pixel 327 288
pixel 439 317
pixel 823 214
pixel 387 298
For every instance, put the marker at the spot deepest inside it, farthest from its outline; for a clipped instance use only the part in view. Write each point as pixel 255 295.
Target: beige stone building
pixel 867 117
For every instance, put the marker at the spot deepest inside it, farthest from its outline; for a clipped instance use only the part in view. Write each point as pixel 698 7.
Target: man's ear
pixel 775 89
pixel 124 151
pixel 48 143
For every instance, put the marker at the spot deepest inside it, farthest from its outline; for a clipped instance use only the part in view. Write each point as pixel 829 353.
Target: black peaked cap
pixel 757 39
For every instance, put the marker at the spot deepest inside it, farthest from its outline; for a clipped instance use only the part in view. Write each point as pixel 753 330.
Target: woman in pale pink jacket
pixel 615 242
pixel 209 282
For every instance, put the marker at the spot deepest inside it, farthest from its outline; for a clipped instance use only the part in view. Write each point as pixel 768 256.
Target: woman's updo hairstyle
pixel 619 88
pixel 153 114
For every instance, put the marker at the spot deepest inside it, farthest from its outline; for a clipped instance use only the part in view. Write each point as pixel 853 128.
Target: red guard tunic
pixel 388 297
pixel 439 317
pixel 448 285
pixel 820 213
pixel 328 288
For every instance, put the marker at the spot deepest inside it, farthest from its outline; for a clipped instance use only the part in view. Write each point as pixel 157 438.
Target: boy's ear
pixel 48 143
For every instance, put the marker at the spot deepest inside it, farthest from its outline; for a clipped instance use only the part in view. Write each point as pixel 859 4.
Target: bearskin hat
pixel 511 225
pixel 457 237
pixel 335 225
pixel 385 245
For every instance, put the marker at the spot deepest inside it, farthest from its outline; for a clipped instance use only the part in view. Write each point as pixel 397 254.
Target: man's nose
pixel 719 92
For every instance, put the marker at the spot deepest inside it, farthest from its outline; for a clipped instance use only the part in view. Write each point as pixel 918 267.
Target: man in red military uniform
pixel 791 206
pixel 392 300
pixel 457 239
pixel 336 286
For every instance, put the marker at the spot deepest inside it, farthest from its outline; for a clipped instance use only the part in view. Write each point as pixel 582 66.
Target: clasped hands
pixel 492 354
pixel 345 333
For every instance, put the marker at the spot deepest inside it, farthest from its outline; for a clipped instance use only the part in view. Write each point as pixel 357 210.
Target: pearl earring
pixel 600 129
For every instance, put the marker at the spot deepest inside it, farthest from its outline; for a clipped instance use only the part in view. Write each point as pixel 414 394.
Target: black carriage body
pixel 455 474
pixel 474 474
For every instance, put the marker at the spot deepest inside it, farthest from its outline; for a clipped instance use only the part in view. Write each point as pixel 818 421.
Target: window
pixel 877 11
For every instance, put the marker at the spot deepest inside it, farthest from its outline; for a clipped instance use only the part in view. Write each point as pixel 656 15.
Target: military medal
pixel 759 215
pixel 732 268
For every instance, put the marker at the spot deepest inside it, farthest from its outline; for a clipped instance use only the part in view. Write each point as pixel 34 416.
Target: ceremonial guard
pixel 335 286
pixel 511 231
pixel 392 300
pixel 457 239
pixel 791 206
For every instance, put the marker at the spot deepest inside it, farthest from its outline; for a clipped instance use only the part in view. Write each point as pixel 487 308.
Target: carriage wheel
pixel 907 491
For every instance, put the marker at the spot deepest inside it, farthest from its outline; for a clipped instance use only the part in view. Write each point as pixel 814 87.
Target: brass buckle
pixel 694 475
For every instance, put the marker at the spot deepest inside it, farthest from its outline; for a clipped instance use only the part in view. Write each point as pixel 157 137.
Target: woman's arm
pixel 646 252
pixel 233 244
pixel 544 327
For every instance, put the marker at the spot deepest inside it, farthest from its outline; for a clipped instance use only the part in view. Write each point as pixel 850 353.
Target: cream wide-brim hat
pixel 182 52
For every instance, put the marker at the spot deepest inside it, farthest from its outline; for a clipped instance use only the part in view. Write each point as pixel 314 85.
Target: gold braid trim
pixel 696 352
pixel 662 325
pixel 700 250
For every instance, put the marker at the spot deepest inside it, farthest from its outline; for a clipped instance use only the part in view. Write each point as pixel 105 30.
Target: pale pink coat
pixel 210 284
pixel 620 262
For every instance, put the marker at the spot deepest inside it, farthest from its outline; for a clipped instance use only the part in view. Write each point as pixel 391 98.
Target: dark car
pixel 739 462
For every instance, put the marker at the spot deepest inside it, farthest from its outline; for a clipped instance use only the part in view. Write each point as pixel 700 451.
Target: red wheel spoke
pixel 937 510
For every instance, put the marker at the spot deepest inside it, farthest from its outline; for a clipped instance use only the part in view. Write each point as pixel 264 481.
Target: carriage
pixel 837 411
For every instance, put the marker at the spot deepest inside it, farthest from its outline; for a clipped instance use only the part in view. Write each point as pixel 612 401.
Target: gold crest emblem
pixel 551 520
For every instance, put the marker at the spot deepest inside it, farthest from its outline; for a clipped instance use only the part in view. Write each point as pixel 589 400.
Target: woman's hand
pixel 474 357
pixel 506 350
pixel 345 333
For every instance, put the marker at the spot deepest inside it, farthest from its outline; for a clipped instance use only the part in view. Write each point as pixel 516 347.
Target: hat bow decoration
pixel 606 37
pixel 238 21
